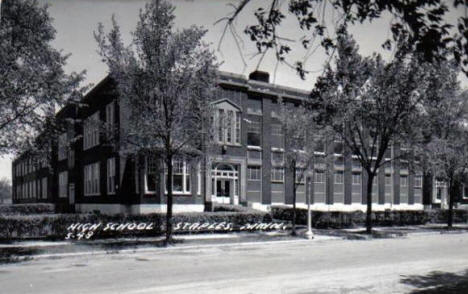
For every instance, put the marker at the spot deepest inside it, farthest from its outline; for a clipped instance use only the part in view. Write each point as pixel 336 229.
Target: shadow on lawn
pixel 438 282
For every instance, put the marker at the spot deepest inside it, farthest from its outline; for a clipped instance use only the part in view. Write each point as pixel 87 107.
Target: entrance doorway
pixel 224 183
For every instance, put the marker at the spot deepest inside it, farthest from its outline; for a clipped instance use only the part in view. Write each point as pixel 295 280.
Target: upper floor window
pixel 254 134
pixel 228 124
pixel 339 177
pixel 62 146
pixel 319 176
pixel 254 106
pixel 356 179
pixel 110 118
pixel 418 181
pixel 403 181
pixel 91 131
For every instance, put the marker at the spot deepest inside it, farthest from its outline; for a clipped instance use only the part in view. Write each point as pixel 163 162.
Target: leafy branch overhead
pixel 423 26
pixel 33 83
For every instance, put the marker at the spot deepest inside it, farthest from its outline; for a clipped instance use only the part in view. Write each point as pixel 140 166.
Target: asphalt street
pixel 317 266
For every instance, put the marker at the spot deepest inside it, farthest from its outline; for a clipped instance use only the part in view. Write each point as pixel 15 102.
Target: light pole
pixel 309 234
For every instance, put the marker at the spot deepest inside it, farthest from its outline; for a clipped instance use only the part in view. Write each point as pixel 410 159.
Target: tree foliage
pixel 444 132
pixel 32 80
pixel 166 77
pixel 372 105
pixel 423 25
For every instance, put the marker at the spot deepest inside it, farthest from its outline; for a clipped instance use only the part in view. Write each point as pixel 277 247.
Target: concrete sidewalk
pixel 25 250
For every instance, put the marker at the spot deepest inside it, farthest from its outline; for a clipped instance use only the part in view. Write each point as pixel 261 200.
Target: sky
pixel 76 20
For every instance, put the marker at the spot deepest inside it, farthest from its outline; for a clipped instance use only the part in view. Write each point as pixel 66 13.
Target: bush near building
pixel 342 219
pixel 55 226
pixel 24 209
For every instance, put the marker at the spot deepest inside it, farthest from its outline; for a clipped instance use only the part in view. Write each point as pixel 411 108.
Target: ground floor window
pixel 180 177
pixel 44 188
pixel 111 175
pixel 91 179
pixel 254 173
pixel 277 174
pixel 63 183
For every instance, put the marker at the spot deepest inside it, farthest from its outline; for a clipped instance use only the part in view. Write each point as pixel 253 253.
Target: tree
pixel 422 24
pixel 444 150
pixel 371 106
pixel 300 136
pixel 166 78
pixel 5 191
pixel 32 80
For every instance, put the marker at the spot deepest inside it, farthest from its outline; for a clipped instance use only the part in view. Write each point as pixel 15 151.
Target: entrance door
pixel 223 190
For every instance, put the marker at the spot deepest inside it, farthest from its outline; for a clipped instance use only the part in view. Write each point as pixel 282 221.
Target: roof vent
pixel 261 76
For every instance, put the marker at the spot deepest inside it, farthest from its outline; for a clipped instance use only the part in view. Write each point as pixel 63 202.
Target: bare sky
pixel 75 21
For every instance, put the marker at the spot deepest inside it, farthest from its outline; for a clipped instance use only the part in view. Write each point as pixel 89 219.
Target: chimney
pixel 261 76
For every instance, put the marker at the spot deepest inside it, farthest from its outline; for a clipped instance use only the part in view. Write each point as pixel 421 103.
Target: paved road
pixel 332 266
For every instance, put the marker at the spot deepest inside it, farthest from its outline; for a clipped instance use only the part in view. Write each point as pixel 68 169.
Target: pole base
pixel 309 235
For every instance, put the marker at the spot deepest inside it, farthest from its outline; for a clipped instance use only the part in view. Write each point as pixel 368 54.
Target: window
pixel 63 183
pixel 339 177
pixel 253 134
pixel 180 177
pixel 403 181
pixel 418 181
pixel 320 146
pixel 277 174
pixel 44 188
pixel 300 175
pixel 228 126
pixel 388 180
pixel 277 157
pixel 254 106
pixel 338 148
pixel 110 118
pixel 111 175
pixel 91 179
pixel 91 131
pixel 151 174
pixel 276 130
pixel 33 189
pixel 254 173
pixel 319 177
pixel 357 179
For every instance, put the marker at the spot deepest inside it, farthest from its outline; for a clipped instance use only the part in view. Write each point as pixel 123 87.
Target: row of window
pixel 92 126
pixel 29 165
pixel 277 175
pixel 36 189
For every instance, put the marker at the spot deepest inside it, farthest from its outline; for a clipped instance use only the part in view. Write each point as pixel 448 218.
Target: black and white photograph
pixel 233 146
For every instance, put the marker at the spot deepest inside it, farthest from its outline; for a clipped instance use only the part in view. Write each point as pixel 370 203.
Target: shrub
pixel 24 209
pixel 55 226
pixel 341 219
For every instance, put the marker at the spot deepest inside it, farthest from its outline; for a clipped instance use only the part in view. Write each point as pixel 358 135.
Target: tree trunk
pixel 293 232
pixel 451 198
pixel 370 178
pixel 169 201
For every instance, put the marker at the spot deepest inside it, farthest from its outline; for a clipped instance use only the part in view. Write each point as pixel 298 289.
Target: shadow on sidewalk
pixel 438 282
